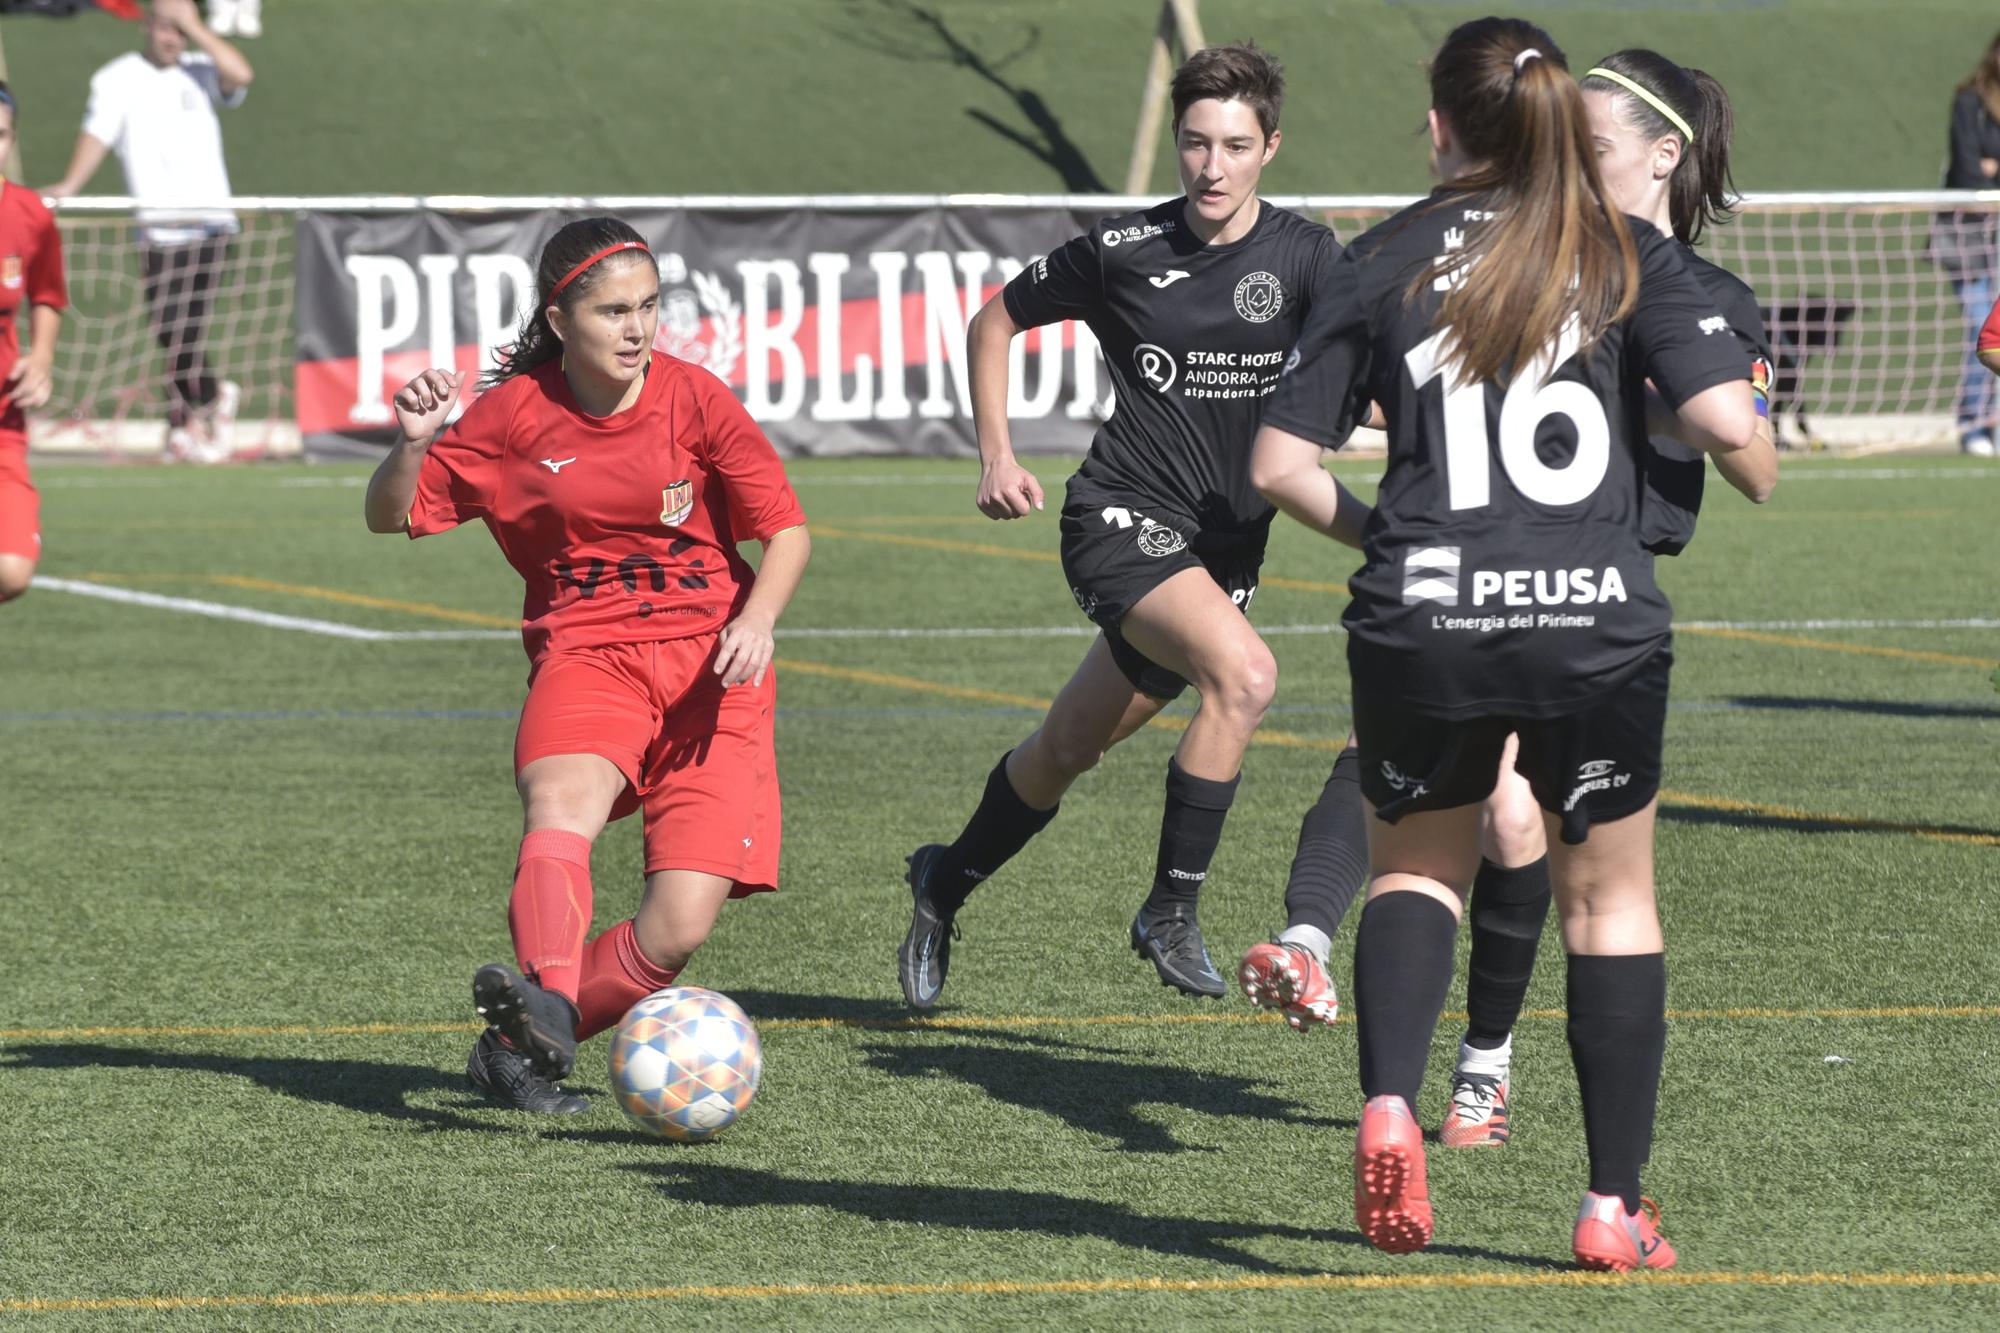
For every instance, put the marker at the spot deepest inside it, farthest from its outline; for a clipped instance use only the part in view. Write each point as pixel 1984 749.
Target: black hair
pixel 7 97
pixel 1245 73
pixel 575 242
pixel 1700 192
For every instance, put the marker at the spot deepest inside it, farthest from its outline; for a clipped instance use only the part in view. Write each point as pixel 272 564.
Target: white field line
pixel 335 629
pixel 332 629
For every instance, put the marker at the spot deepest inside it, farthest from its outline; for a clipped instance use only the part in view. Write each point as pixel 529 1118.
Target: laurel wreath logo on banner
pixel 681 319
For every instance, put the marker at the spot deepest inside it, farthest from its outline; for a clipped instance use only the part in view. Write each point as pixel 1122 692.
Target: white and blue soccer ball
pixel 685 1063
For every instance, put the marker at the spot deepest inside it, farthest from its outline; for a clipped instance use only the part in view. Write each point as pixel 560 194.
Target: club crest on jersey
pixel 1431 575
pixel 676 503
pixel 1760 375
pixel 1260 297
pixel 10 272
pixel 1157 539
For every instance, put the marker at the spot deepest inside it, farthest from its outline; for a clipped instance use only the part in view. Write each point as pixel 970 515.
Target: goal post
pixel 1180 22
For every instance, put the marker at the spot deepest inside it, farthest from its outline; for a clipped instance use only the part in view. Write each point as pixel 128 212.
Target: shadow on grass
pixel 1804 822
pixel 975 1208
pixel 1096 1089
pixel 914 33
pixel 371 1087
pixel 1873 707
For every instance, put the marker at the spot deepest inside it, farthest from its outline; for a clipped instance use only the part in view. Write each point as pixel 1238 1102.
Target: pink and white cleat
pixel 1288 978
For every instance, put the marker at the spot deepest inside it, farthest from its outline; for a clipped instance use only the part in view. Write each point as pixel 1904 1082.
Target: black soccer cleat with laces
pixel 507 1077
pixel 925 958
pixel 1169 937
pixel 539 1023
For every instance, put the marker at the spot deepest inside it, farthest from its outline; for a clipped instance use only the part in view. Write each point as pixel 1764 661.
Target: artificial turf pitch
pixel 248 869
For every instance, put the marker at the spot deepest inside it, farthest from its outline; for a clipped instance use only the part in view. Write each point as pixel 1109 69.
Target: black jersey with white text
pixel 1675 471
pixel 1194 337
pixel 1504 573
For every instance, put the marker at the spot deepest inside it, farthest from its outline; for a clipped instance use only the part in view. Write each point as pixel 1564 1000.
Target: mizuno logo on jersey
pixel 557 465
pixel 1431 575
pixel 1169 278
pixel 1547 587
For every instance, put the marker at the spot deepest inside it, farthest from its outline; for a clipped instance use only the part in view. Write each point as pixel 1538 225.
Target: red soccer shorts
pixel 20 506
pixel 698 759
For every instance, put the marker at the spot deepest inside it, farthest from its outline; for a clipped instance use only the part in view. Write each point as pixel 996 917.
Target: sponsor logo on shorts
pixel 1430 574
pixel 1713 324
pixel 1596 775
pixel 1156 366
pixel 1400 781
pixel 676 503
pixel 1157 539
pixel 1086 602
pixel 1259 297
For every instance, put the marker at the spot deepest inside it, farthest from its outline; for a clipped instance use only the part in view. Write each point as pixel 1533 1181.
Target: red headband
pixel 571 276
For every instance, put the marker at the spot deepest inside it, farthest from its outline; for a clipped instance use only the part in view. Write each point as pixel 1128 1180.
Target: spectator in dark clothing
pixel 1963 240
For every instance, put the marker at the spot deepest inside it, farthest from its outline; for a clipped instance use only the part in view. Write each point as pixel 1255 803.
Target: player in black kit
pixel 1196 303
pixel 1506 589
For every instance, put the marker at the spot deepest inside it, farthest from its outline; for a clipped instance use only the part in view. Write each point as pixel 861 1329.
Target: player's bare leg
pixel 1189 625
pixel 16 573
pixel 1097 708
pixel 1509 904
pixel 1617 1003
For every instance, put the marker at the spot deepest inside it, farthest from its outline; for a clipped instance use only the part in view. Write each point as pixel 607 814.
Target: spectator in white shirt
pixel 155 107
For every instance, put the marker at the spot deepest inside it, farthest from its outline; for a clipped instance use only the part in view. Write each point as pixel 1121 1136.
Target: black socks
pixel 1617 1037
pixel 1331 863
pixel 1402 971
pixel 1190 828
pixel 1001 826
pixel 1507 910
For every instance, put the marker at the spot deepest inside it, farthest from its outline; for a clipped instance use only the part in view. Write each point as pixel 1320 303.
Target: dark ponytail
pixel 1700 192
pixel 575 242
pixel 1504 86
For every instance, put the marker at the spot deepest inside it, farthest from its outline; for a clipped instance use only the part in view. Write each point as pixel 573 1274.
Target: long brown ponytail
pixel 1553 250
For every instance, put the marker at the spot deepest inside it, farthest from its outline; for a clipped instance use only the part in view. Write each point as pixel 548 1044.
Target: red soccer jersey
pixel 31 273
pixel 624 527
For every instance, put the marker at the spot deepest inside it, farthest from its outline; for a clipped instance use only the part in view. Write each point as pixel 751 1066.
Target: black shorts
pixel 1117 548
pixel 1589 767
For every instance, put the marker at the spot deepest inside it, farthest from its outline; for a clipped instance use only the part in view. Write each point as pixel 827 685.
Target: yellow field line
pixel 987 1022
pixel 1866 650
pixel 1859 824
pixel 363 599
pixel 1359 1282
pixel 1017 553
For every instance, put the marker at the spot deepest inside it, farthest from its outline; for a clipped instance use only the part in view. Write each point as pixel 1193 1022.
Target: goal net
pixel 112 373
pixel 1871 300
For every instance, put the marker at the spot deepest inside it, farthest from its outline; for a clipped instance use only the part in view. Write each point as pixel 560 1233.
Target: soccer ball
pixel 685 1063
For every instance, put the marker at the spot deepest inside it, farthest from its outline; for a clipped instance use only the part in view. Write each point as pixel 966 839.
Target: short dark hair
pixel 1242 73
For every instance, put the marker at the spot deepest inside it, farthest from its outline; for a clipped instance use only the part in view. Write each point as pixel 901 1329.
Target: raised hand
pixel 424 404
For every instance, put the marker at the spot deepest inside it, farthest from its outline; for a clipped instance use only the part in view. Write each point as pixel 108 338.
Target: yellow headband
pixel 1652 99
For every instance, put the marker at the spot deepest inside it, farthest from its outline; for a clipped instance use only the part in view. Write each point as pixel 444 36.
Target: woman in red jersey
pixel 617 481
pixel 31 273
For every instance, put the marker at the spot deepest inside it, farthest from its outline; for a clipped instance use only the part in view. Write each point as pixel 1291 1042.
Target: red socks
pixel 615 977
pixel 550 910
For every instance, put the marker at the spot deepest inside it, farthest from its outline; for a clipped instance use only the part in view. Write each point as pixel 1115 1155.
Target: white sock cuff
pixel 1479 1060
pixel 1310 938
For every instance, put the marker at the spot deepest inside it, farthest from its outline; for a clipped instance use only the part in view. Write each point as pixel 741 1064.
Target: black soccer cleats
pixel 507 1076
pixel 925 958
pixel 1169 937
pixel 538 1023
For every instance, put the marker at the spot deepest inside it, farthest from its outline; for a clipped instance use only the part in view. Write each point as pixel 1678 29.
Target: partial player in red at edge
pixel 617 481
pixel 31 274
